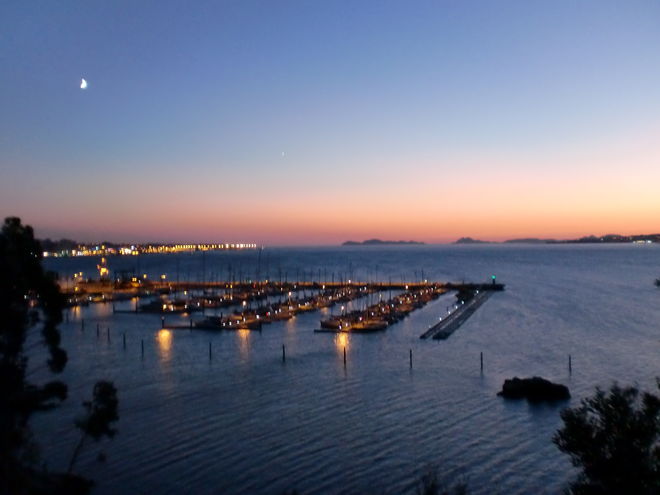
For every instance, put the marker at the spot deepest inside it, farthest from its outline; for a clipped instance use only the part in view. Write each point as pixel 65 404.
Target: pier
pixel 449 324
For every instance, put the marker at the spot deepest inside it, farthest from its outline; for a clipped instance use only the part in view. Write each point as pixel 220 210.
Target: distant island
pixel 532 240
pixel 378 242
pixel 591 239
pixel 470 240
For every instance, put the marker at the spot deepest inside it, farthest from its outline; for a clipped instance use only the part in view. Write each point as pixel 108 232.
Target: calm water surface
pixel 244 422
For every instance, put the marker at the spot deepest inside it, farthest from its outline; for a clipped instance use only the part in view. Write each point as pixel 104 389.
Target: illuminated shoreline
pixel 136 249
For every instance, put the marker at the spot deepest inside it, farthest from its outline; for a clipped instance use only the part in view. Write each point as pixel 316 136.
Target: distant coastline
pixel 67 247
pixel 591 239
pixel 470 240
pixel 379 242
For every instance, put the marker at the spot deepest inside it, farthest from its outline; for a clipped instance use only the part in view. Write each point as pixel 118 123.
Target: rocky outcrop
pixel 534 389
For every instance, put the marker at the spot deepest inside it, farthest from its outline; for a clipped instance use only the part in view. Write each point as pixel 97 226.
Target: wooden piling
pixel 570 365
pixel 108 334
pixel 410 358
pixel 142 346
pixel 283 353
pixel 210 352
pixel 344 356
pixel 98 330
pixel 162 322
pixel 481 360
pixel 82 325
pixel 124 340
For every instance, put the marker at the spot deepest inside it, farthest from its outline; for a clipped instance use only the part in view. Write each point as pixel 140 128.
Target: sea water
pixel 245 422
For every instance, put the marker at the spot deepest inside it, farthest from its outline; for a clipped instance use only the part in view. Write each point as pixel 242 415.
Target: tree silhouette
pixel 29 299
pixel 101 411
pixel 614 438
pixel 430 484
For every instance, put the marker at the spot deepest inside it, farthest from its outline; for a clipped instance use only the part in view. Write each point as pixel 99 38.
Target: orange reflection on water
pixel 290 324
pixel 243 342
pixel 164 338
pixel 342 340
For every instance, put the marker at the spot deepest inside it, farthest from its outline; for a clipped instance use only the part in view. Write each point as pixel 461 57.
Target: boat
pixel 369 326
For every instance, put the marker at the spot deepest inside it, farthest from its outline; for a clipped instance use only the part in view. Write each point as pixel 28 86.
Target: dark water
pixel 244 422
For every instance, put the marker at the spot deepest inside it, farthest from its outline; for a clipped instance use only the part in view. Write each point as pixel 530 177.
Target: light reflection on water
pixel 342 341
pixel 243 336
pixel 164 338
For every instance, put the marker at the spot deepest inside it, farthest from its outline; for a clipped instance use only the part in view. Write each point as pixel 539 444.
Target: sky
pixel 314 122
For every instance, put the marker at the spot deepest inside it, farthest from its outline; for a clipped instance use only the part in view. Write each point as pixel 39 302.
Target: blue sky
pixel 234 105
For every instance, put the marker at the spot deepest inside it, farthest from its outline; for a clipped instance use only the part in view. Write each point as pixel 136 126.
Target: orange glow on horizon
pixel 565 194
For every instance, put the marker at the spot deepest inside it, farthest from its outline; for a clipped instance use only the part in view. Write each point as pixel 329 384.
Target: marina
pixel 250 305
pixel 229 397
pixel 379 316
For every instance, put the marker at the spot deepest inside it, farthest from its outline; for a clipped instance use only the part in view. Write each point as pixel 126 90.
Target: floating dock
pixel 381 315
pixel 448 325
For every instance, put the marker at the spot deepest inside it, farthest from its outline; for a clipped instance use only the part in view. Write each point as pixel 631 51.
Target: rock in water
pixel 534 389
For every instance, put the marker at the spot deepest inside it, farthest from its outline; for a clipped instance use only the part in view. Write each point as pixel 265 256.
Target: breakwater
pixel 450 323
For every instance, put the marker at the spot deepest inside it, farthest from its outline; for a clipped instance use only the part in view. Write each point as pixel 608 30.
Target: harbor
pixel 237 382
pixel 379 316
pixel 248 305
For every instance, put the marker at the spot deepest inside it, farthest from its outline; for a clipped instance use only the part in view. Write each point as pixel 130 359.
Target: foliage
pixel 101 412
pixel 29 300
pixel 614 438
pixel 429 484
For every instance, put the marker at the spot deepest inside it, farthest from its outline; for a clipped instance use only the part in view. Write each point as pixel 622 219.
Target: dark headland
pixel 591 239
pixel 470 240
pixel 378 242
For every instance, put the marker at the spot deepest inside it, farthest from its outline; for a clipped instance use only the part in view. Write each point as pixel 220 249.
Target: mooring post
pixel 410 358
pixel 191 323
pixel 113 308
pixel 481 360
pixel 136 304
pixel 142 346
pixel 162 322
pixel 570 365
pixel 124 339
pixel 210 352
pixel 97 330
pixel 344 356
pixel 108 334
pixel 283 353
